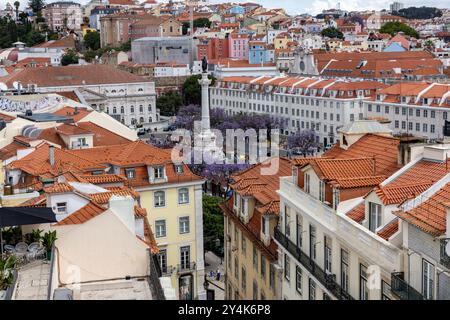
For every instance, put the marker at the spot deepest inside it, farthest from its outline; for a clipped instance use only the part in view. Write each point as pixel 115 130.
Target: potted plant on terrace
pixel 6 274
pixel 48 240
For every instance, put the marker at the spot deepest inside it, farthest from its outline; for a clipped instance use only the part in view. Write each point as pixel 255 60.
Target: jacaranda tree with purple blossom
pixel 303 140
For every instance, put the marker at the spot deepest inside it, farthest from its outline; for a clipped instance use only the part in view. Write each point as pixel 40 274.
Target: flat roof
pixel 44 117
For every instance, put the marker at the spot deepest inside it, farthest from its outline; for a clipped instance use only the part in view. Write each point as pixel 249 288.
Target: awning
pixel 18 216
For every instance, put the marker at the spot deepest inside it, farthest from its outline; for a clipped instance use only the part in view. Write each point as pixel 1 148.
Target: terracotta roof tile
pixel 397 194
pixel 389 229
pixel 61 187
pixel 357 213
pixel 431 215
pixel 82 215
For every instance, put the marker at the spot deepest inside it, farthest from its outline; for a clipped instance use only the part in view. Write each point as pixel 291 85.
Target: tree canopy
pixel 303 141
pixel 92 40
pixel 212 224
pixel 169 103
pixel 10 32
pixel 332 32
pixel 192 89
pixel 70 57
pixel 395 27
pixel 36 5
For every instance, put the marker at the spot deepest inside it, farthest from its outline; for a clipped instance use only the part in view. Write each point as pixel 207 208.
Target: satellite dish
pixel 447 248
pixel 3 87
pixel 17 85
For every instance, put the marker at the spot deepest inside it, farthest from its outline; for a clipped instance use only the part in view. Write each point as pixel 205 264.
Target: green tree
pixel 395 27
pixel 212 224
pixel 202 23
pixel 169 103
pixel 184 28
pixel 192 89
pixel 36 5
pixel 332 32
pixel 92 40
pixel 70 57
pixel 419 13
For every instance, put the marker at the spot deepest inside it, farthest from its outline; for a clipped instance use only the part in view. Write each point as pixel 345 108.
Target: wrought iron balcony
pixel 445 258
pixel 402 289
pixel 326 279
pixel 186 267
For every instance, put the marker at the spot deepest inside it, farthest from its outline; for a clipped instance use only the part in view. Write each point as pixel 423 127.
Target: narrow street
pixel 212 264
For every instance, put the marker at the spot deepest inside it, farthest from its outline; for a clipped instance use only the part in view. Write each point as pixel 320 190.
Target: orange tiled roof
pixel 389 229
pixel 82 215
pixel 397 194
pixel 102 178
pixel 431 215
pixel 357 213
pixel 140 212
pixel 37 162
pixel 382 149
pixel 103 197
pixel 61 187
pixel 71 129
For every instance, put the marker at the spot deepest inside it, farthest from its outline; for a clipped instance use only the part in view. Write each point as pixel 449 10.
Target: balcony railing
pixel 402 289
pixel 445 258
pixel 326 279
pixel 186 267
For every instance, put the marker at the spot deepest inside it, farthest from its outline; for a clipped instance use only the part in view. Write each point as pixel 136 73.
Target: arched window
pixel 183 195
pixel 132 109
pixel 141 109
pixel 160 199
pixel 141 120
pixel 149 108
pixel 150 119
pixel 114 110
pixel 122 109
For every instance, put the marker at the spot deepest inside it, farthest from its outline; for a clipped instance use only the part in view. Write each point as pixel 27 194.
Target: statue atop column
pixel 204 64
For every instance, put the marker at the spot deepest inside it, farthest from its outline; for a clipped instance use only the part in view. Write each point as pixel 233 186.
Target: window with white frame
pixel 162 259
pixel 184 225
pixel 299 230
pixel 374 216
pixel 321 191
pixel 298 279
pixel 159 172
pixel 287 268
pixel 307 183
pixel 344 270
pixel 427 280
pixel 130 173
pixel 327 254
pixel 183 195
pixel 160 198
pixel 363 289
pixel 178 168
pixel 312 242
pixel 287 221
pixel 312 289
pixel 255 257
pixel 61 207
pixel 160 226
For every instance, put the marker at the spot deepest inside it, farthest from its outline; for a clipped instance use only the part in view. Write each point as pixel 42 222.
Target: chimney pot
pixel 51 155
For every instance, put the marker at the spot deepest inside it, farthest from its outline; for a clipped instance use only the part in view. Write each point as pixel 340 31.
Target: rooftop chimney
pixel 51 155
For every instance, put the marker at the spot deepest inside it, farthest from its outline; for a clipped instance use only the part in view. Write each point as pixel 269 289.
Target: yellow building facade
pixel 178 230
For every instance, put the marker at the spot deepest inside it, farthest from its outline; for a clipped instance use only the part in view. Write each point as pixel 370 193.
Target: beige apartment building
pixel 252 271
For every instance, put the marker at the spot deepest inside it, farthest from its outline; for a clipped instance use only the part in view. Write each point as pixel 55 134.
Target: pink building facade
pixel 238 46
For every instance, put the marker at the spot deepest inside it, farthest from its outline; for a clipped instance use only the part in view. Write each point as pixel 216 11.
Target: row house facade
pixel 300 103
pixel 128 98
pixel 419 109
pixel 359 223
pixel 169 192
pixel 251 214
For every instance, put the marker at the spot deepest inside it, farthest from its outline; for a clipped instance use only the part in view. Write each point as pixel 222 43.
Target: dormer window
pixel 321 191
pixel 178 168
pixel 159 172
pixel 307 183
pixel 61 207
pixel 130 173
pixel 374 216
